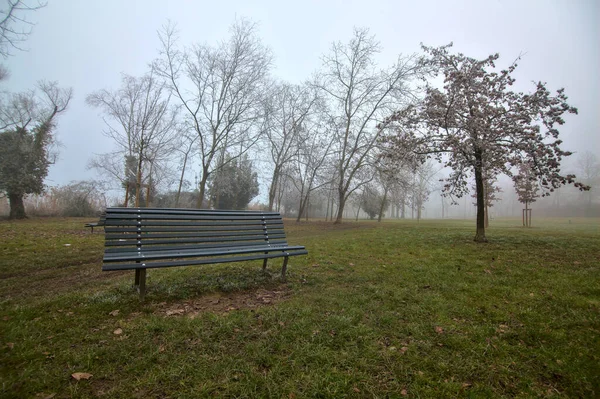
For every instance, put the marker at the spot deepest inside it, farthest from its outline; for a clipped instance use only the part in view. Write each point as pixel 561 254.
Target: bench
pixel 144 238
pixel 100 222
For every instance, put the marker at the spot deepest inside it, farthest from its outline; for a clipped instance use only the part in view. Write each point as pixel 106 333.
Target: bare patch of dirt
pixel 224 302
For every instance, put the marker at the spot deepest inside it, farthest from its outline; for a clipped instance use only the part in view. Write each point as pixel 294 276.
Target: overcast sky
pixel 88 44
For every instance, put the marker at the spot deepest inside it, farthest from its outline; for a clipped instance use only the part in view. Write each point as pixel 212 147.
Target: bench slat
pixel 130 266
pixel 190 253
pixel 111 250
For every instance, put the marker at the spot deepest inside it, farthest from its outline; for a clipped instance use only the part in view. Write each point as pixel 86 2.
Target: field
pixel 394 309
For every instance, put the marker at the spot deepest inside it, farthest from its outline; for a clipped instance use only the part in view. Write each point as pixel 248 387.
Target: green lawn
pixel 393 309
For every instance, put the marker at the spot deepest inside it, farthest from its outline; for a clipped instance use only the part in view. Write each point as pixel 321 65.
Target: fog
pixel 88 45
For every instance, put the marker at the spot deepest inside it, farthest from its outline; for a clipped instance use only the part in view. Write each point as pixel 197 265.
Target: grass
pixel 395 309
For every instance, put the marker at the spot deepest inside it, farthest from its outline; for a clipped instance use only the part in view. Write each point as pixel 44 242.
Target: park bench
pixel 100 222
pixel 144 238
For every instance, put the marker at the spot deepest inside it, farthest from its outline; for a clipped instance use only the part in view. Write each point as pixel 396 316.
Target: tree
pixel 527 189
pixel 142 124
pixel 476 124
pixel 288 107
pixel 589 166
pixel 234 185
pixel 15 28
pixel 372 201
pixel 27 122
pixel 11 37
pixel 221 90
pixel 359 95
pixel 311 160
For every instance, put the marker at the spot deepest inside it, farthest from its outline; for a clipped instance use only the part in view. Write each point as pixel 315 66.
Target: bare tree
pixel 187 146
pixel 141 122
pixel 14 26
pixel 27 123
pixel 220 89
pixel 589 166
pixel 287 108
pixel 313 156
pixel 359 95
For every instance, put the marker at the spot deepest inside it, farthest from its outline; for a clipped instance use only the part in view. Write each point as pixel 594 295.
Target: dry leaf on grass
pixel 114 312
pixel 118 331
pixel 404 392
pixel 175 312
pixel 81 376
pixel 439 330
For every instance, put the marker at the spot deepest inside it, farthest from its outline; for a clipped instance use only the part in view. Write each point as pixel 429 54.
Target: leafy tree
pixel 234 185
pixel 373 202
pixel 475 123
pixel 27 121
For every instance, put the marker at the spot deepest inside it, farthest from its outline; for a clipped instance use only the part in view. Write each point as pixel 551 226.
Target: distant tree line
pixel 355 135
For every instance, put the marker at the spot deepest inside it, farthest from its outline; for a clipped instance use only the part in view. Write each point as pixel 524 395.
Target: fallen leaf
pixel 404 392
pixel 43 395
pixel 355 389
pixel 439 330
pixel 467 385
pixel 81 376
pixel 175 312
pixel 351 264
pixel 404 349
pixel 10 345
pixel 114 312
pixel 118 331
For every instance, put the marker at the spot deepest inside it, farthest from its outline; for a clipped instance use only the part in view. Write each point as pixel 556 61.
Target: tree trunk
pixel 138 179
pixel 273 188
pixel 202 188
pixel 385 193
pixel 340 210
pixel 181 181
pixel 480 233
pixel 303 202
pixel 17 208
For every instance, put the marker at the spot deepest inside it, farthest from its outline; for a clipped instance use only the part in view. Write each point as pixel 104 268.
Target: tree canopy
pixel 477 126
pixel 27 121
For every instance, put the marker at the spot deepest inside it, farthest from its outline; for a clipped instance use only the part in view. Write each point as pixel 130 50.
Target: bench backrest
pixel 127 229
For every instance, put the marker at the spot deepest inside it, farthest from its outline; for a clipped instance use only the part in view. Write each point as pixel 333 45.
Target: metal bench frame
pixel 144 238
pixel 100 222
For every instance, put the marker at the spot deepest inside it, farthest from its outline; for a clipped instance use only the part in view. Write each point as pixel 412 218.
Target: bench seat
pixel 145 238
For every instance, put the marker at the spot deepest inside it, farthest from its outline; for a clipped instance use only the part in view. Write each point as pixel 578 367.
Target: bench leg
pixel 284 267
pixel 140 282
pixel 265 264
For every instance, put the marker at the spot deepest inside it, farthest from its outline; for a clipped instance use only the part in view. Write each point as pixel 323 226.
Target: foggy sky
pixel 88 44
